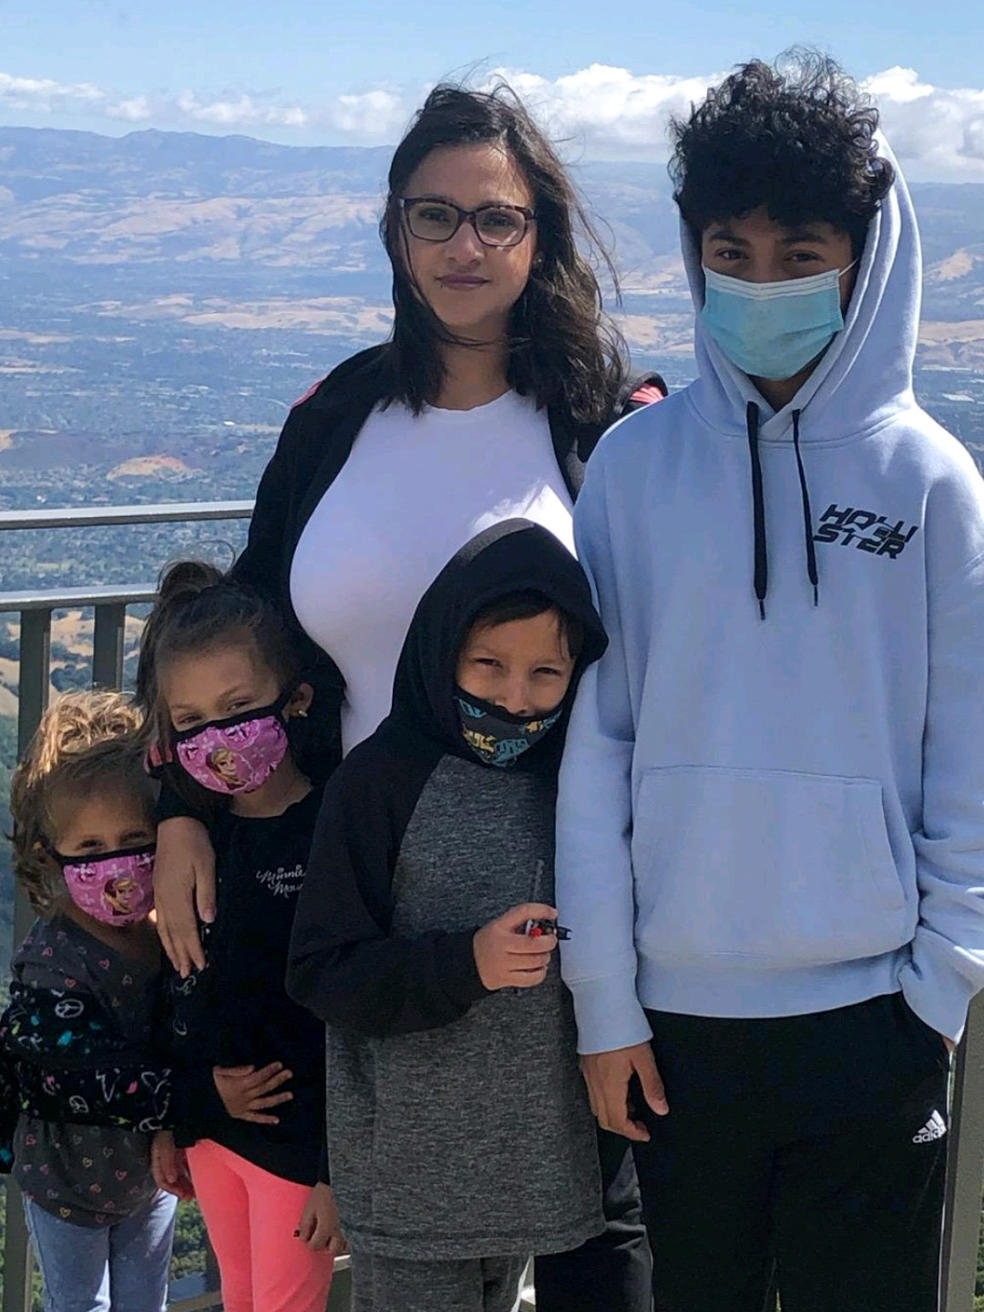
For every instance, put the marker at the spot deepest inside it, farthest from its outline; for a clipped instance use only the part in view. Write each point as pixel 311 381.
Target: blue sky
pixel 344 71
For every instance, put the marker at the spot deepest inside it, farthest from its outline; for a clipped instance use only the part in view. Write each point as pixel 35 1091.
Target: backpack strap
pixel 637 391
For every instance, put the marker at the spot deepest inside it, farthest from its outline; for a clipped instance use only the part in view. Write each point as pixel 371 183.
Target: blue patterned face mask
pixel 773 329
pixel 495 735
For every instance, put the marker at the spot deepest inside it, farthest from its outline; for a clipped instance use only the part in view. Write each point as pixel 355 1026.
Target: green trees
pixel 188 1257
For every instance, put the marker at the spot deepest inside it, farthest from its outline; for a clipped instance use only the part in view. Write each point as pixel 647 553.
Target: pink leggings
pixel 251 1217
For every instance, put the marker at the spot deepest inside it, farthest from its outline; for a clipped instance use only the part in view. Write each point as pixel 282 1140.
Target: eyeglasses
pixel 439 220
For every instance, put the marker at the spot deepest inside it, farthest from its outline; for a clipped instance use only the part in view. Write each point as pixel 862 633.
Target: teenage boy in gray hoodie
pixel 771 817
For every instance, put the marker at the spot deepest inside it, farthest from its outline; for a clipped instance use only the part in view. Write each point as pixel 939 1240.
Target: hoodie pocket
pixel 785 868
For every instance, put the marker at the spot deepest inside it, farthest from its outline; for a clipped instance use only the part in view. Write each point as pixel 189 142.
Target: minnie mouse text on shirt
pixel 282 882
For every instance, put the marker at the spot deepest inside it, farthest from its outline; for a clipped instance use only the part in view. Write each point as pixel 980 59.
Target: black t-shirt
pixel 236 1012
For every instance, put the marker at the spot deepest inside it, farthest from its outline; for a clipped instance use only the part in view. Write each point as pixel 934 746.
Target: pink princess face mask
pixel 114 887
pixel 236 755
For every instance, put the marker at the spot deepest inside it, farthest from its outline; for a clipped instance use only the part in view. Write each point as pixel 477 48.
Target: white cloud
pixel 46 96
pixel 609 110
pixel 246 111
pixel 936 131
pixel 897 84
pixel 599 111
pixel 135 110
pixel 379 115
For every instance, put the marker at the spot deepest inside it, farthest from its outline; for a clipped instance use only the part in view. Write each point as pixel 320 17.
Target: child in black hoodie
pixel 459 1134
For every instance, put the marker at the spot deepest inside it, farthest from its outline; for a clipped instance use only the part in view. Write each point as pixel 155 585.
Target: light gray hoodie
pixel 763 817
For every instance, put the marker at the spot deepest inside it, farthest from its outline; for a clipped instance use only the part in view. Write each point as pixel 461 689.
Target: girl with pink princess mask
pixel 227 700
pixel 81 1090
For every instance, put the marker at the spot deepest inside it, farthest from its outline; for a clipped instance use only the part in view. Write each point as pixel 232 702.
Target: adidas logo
pixel 935 1128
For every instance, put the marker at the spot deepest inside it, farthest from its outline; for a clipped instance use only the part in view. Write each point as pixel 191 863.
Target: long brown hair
pixel 563 349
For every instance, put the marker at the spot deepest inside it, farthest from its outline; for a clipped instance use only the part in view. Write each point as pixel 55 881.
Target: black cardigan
pixel 314 445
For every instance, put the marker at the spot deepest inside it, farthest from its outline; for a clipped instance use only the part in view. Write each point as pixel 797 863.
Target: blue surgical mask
pixel 773 329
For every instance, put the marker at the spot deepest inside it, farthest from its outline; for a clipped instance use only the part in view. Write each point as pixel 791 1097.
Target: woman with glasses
pixel 499 376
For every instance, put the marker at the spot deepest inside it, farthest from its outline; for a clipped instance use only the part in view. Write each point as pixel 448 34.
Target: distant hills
pixel 247 212
pixel 182 197
pixel 179 196
pixel 128 262
pixel 40 162
pixel 164 296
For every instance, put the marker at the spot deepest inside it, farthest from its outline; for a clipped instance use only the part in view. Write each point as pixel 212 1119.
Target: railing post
pixel 340 1295
pixel 107 646
pixel 34 673
pixel 212 1277
pixel 34 610
pixel 17 1265
pixel 34 664
pixel 965 1169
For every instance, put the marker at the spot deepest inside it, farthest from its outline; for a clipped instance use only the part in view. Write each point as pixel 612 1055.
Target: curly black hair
pixel 796 137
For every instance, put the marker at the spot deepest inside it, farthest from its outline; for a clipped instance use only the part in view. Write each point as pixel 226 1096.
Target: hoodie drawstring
pixel 758 510
pixel 811 550
pixel 758 507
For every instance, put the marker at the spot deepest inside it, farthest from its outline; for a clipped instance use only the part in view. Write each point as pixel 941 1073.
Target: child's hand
pixel 169 1166
pixel 184 881
pixel 319 1226
pixel 508 958
pixel 246 1092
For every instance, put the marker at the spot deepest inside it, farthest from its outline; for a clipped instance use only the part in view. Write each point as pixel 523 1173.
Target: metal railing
pixel 965 1171
pixel 35 610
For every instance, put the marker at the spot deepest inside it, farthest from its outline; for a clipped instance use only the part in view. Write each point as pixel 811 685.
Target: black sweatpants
pixel 611 1272
pixel 808 1149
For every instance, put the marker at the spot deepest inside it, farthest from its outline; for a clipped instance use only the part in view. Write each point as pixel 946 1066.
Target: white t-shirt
pixel 411 494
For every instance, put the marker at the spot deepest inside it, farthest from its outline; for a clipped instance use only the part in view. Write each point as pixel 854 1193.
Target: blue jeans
pixel 120 1267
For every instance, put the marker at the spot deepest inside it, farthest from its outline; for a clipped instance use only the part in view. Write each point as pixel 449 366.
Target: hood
pixel 513 556
pixel 865 376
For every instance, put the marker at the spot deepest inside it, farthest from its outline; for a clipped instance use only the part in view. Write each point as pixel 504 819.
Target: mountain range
pixel 188 198
pixel 128 262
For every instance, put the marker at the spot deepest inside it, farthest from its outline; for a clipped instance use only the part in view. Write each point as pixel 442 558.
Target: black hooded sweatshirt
pixel 457 1120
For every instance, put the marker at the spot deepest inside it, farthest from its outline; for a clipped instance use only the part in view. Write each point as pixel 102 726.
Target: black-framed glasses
pixel 439 220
